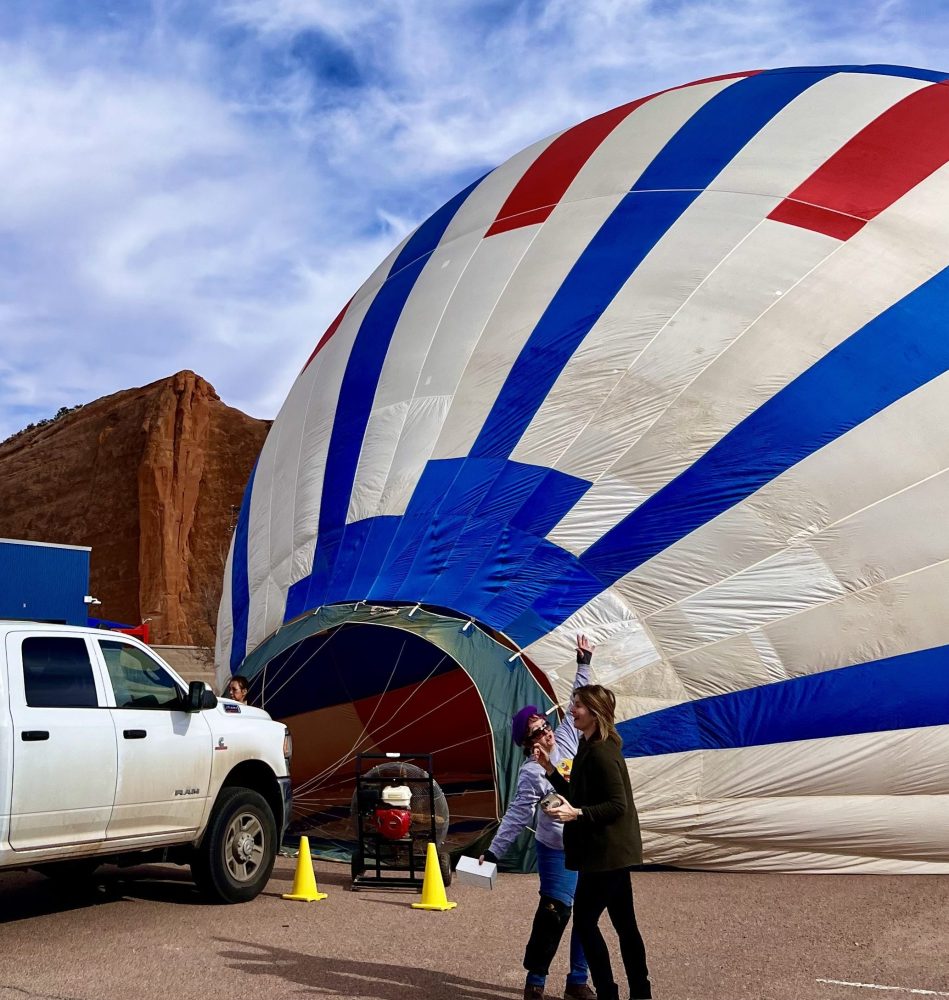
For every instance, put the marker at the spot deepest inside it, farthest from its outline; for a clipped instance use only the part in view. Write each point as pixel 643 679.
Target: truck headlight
pixel 287 747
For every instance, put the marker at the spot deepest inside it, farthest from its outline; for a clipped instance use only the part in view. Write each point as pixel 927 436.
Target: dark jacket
pixel 607 837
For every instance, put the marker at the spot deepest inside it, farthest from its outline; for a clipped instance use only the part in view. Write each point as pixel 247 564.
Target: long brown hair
pixel 601 702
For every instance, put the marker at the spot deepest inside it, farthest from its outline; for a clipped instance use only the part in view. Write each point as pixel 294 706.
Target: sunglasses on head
pixel 539 731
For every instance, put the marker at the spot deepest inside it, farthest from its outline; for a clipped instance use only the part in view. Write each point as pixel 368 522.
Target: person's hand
pixel 584 649
pixel 480 859
pixel 542 757
pixel 487 856
pixel 564 813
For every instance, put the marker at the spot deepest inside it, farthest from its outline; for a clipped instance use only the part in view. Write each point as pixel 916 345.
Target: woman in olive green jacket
pixel 601 840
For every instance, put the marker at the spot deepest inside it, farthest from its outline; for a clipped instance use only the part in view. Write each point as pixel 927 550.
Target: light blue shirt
pixel 532 786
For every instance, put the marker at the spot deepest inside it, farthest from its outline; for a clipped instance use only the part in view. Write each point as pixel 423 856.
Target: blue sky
pixel 204 183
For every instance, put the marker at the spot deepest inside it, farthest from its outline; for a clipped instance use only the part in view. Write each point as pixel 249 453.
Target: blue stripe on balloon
pixel 425 239
pixel 379 560
pixel 441 553
pixel 471 540
pixel 240 587
pixel 358 388
pixel 484 496
pixel 894 354
pixel 909 691
pixel 351 547
pixel 394 566
pixel 459 501
pixel 676 177
pixel 908 72
pixel 381 533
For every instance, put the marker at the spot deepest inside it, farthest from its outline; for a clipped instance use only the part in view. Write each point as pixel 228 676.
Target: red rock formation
pixel 151 479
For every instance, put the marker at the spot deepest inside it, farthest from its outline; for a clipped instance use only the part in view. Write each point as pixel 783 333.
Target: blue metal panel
pixel 43 582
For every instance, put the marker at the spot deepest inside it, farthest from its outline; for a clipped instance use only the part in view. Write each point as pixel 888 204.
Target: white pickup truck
pixel 107 756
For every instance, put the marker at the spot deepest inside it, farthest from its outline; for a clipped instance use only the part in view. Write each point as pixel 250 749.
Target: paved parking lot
pixel 144 933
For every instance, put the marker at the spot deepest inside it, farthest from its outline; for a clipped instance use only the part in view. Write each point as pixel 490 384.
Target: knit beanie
pixel 519 723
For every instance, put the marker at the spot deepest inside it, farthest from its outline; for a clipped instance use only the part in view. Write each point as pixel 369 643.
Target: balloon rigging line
pixel 351 778
pixel 359 739
pixel 319 648
pixel 343 761
pixel 328 772
pixel 332 769
pixel 409 724
pixel 309 784
pixel 315 652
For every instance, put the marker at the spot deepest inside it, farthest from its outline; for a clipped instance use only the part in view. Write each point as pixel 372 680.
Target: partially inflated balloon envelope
pixel 675 378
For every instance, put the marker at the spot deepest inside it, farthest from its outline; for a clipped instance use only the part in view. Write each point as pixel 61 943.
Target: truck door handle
pixel 34 735
pixel 134 734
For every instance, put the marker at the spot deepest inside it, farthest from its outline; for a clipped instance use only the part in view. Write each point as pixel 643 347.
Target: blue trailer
pixel 43 582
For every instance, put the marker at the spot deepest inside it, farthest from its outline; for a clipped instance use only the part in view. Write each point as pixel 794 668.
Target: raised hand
pixel 584 649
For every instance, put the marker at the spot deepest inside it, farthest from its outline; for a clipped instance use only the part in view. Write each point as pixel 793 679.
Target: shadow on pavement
pixel 28 894
pixel 343 977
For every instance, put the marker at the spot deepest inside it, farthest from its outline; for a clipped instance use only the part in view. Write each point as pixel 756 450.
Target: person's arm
pixel 567 736
pixel 612 801
pixel 561 785
pixel 519 813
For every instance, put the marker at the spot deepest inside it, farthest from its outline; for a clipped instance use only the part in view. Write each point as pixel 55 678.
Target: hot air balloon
pixel 676 378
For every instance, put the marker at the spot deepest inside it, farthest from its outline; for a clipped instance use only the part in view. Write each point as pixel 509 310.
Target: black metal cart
pixel 375 856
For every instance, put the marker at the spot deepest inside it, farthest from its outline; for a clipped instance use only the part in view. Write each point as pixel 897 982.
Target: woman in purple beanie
pixel 529 728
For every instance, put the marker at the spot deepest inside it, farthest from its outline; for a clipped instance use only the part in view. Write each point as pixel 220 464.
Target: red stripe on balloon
pixel 330 330
pixel 544 183
pixel 883 161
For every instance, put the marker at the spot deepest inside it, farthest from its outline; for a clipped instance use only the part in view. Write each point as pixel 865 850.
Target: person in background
pixel 529 728
pixel 602 840
pixel 236 689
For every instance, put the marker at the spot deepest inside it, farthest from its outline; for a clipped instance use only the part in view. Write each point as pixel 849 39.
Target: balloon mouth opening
pixel 360 688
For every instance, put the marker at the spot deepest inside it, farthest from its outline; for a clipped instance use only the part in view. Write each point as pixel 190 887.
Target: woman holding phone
pixel 601 840
pixel 530 729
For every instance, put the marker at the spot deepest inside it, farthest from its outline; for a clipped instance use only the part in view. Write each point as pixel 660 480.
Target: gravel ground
pixel 145 934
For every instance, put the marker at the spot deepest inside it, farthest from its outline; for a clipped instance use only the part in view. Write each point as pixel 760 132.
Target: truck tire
pixel 236 856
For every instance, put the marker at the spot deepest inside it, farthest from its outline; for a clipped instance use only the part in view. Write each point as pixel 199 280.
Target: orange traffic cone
pixel 304 881
pixel 433 888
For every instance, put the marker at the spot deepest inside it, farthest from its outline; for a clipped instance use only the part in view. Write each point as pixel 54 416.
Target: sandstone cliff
pixel 151 479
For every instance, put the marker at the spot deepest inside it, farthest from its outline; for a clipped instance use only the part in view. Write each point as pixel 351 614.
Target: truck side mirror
pixel 199 697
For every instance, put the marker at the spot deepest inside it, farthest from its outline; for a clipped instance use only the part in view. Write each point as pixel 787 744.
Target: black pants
pixel 613 892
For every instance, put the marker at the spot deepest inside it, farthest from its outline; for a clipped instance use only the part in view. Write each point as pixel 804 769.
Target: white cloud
pixel 204 186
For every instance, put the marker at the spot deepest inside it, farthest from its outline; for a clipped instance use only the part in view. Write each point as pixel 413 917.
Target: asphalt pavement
pixel 145 934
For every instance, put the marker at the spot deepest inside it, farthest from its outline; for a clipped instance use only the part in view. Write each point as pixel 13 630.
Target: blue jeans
pixel 558 882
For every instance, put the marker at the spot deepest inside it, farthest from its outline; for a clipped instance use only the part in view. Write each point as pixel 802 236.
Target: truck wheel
pixel 236 856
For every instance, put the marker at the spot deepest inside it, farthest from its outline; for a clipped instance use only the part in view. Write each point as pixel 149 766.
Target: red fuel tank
pixel 392 823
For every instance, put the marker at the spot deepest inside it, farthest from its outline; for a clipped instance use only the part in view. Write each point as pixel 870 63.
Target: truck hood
pixel 234 710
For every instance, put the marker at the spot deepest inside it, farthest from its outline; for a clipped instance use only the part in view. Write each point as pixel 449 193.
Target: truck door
pixel 164 753
pixel 64 751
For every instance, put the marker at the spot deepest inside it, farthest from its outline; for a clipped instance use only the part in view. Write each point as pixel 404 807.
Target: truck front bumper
pixel 286 792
